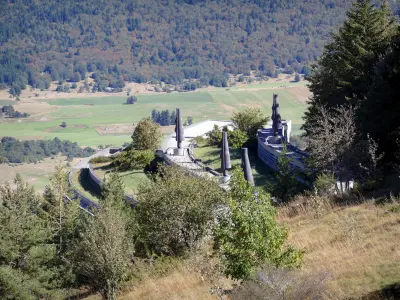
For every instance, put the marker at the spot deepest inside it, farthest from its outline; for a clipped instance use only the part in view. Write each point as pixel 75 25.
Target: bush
pixel 131 100
pixel 248 236
pixel 214 137
pixel 237 138
pixel 147 135
pixel 133 159
pixel 175 212
pixel 100 159
pixel 325 184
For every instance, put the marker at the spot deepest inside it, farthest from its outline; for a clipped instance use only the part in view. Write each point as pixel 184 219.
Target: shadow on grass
pixel 391 292
pixel 86 185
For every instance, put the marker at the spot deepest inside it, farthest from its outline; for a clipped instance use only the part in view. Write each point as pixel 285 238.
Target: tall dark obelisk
pixel 248 175
pixel 225 156
pixel 276 116
pixel 180 136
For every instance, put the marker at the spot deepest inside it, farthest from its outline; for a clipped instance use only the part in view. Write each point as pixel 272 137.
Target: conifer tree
pixel 344 71
pixel 27 254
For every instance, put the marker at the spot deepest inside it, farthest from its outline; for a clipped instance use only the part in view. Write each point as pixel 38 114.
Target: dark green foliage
pixel 131 100
pixel 214 137
pixel 101 159
pixel 32 151
pixel 197 40
pixel 378 115
pixel 248 236
pixel 249 121
pixel 27 253
pixel 133 159
pixel 9 111
pixel 359 67
pixel 285 184
pixel 175 212
pixel 163 117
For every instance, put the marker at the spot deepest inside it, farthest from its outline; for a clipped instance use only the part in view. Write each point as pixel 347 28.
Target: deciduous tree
pixel 249 121
pixel 147 135
pixel 248 236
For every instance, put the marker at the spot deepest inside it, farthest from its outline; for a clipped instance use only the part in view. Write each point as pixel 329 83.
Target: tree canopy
pixel 144 40
pixel 358 68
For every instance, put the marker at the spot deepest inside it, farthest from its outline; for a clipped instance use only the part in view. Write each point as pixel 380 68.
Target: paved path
pixel 192 131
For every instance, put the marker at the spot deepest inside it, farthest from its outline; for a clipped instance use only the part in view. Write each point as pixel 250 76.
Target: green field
pixel 83 114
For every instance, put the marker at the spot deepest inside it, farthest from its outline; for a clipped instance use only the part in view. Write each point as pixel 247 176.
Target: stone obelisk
pixel 248 175
pixel 225 156
pixel 180 136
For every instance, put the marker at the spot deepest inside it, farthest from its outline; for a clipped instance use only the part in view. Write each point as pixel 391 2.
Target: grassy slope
pixel 131 179
pixel 81 117
pixel 357 245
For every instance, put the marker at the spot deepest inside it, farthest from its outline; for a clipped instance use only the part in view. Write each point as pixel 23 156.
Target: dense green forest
pixel 136 40
pixel 14 151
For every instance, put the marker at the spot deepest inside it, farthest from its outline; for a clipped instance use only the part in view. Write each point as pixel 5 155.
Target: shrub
pixel 133 159
pixel 100 159
pixel 248 236
pixel 237 138
pixel 175 212
pixel 214 137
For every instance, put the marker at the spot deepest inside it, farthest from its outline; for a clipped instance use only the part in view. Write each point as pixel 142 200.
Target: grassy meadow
pixel 84 116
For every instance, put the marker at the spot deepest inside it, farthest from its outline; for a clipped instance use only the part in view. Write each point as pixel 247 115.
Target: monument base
pixel 179 151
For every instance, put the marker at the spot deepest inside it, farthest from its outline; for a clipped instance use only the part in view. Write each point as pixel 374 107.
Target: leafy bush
pixel 175 212
pixel 237 138
pixel 100 159
pixel 133 159
pixel 214 137
pixel 249 121
pixel 325 184
pixel 248 236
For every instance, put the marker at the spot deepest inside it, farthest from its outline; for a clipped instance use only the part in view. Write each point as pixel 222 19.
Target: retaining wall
pixel 85 202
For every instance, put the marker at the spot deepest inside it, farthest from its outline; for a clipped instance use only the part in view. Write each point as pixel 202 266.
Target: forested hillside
pixel 137 40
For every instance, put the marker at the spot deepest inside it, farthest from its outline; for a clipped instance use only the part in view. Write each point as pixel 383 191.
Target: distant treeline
pixel 163 117
pixel 166 118
pixel 14 151
pixel 10 112
pixel 146 41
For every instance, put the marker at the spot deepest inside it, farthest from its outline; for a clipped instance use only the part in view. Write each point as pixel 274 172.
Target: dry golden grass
pixel 357 245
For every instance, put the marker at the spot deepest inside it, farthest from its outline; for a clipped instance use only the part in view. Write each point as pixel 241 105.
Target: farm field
pixel 37 174
pixel 93 121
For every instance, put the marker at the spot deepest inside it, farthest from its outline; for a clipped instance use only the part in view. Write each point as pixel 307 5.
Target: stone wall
pixel 85 202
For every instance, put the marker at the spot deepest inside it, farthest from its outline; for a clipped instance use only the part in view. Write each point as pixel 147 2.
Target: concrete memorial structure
pixel 273 136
